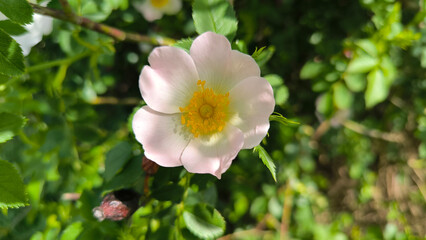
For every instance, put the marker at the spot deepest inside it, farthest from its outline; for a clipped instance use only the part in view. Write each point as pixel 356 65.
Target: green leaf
pixel 18 11
pixel 368 46
pixel 281 95
pixel 72 231
pixel 10 124
pixel 184 44
pixel 11 58
pixel 342 96
pixel 12 28
pixel 127 177
pixel 204 222
pixel 257 52
pixel 325 104
pixel 355 82
pixel 265 56
pixel 311 70
pixel 215 16
pixel 4 78
pixel 281 119
pixel 389 70
pixel 116 158
pixel 377 89
pixel 266 159
pixel 362 64
pixel 280 90
pixel 169 192
pixel 12 187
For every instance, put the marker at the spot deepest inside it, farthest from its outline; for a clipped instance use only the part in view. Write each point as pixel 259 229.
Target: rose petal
pixel 213 155
pixel 170 81
pixel 211 53
pixel 251 103
pixel 161 135
pixel 172 7
pixel 242 66
pixel 149 12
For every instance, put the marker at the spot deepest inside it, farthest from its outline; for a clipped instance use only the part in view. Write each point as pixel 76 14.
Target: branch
pixel 361 129
pixel 115 33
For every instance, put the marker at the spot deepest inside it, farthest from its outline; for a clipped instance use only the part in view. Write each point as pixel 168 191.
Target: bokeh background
pixel 351 73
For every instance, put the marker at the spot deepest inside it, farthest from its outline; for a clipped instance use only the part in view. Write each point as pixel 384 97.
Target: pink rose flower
pixel 154 9
pixel 202 107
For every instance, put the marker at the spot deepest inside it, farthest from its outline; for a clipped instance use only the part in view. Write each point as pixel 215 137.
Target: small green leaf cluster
pixel 363 65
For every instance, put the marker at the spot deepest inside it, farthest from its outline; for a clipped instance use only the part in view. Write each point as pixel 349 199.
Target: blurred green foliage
pixel 352 73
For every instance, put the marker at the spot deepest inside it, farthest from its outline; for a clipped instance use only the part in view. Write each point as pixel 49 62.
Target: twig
pixel 115 101
pixel 390 137
pixel 285 218
pixel 67 8
pixel 115 33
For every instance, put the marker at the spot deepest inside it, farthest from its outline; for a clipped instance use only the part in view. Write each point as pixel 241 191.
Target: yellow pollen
pixel 159 3
pixel 206 112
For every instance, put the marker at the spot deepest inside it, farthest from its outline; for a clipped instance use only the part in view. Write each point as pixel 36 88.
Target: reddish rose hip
pixel 117 205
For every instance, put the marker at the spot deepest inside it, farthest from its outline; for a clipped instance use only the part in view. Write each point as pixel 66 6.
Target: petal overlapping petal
pixel 170 81
pixel 162 136
pixel 213 154
pixel 251 104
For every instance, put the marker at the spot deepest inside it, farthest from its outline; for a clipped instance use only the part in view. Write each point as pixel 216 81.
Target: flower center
pixel 159 3
pixel 206 112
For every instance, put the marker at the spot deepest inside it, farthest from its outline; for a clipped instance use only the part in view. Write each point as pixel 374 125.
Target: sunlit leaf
pixel 265 56
pixel 362 64
pixel 214 15
pixel 11 58
pixel 281 92
pixel 72 231
pixel 311 70
pixel 368 46
pixel 204 222
pixel 281 119
pixel 377 89
pixel 355 82
pixel 325 104
pixel 12 187
pixel 342 96
pixel 18 11
pixel 185 44
pixel 9 125
pixel 267 160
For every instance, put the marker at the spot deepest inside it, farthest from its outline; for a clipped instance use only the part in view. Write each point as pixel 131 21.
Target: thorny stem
pixel 115 33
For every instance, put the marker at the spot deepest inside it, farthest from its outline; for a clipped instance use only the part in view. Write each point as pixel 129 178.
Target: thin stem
pixel 67 8
pixel 115 101
pixel 58 62
pixel 361 129
pixel 115 33
pixel 285 218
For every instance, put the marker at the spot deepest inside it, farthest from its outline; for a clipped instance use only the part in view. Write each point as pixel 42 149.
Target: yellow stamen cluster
pixel 206 112
pixel 159 3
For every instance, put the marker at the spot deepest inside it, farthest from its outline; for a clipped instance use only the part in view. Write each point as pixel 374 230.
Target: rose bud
pixel 117 205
